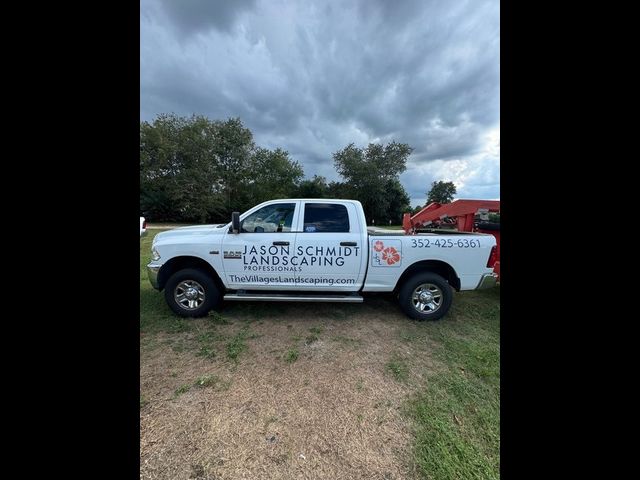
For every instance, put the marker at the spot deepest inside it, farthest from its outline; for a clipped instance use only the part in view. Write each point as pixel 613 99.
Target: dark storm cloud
pixel 312 77
pixel 192 16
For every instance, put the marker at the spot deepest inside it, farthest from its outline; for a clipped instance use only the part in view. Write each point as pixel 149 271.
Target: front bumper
pixel 152 272
pixel 488 280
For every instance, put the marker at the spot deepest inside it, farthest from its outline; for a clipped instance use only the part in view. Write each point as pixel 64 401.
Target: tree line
pixel 193 169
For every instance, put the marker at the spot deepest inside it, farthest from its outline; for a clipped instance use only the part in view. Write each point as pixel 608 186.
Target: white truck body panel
pixel 300 258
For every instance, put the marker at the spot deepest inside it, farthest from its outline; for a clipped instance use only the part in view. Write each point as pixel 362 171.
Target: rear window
pixel 325 217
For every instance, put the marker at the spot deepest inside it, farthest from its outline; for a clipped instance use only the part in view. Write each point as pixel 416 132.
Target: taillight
pixel 144 226
pixel 493 256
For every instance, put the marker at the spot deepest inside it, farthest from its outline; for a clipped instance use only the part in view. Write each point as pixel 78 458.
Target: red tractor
pixel 459 215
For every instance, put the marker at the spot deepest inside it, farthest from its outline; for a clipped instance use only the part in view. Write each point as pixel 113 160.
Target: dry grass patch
pixel 334 412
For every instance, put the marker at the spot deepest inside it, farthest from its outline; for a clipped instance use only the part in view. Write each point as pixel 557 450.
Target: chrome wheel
pixel 189 294
pixel 427 298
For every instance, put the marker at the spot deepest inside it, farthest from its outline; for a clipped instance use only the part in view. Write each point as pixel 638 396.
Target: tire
pixel 191 293
pixel 433 287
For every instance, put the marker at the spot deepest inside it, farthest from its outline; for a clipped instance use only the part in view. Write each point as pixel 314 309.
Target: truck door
pixel 329 247
pixel 260 256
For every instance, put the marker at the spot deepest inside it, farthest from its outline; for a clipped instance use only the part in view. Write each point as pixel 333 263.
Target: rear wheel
pixel 425 296
pixel 191 293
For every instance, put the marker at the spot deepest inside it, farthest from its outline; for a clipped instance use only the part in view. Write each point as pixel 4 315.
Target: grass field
pixel 335 391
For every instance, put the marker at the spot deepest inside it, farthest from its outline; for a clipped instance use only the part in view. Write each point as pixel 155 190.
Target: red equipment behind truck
pixel 459 215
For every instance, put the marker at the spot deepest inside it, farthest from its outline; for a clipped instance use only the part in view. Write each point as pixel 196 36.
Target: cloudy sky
pixel 313 76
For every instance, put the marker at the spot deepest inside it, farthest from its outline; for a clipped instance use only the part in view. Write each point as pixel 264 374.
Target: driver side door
pixel 260 256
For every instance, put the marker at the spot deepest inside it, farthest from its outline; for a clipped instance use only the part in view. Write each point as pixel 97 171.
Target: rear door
pixel 329 247
pixel 260 256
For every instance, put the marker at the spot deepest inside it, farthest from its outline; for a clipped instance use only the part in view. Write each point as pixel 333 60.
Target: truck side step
pixel 279 297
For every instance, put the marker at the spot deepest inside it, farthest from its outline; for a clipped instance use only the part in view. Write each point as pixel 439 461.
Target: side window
pixel 272 218
pixel 325 217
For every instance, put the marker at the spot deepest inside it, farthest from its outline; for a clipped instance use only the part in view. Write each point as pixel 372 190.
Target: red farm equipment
pixel 459 215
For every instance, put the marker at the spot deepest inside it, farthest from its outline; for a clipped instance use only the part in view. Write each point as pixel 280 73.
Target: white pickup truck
pixel 315 250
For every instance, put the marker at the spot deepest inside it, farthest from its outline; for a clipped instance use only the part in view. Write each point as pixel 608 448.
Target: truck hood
pixel 182 233
pixel 197 227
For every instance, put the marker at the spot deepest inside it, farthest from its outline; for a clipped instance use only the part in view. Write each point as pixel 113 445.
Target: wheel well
pixel 180 263
pixel 436 266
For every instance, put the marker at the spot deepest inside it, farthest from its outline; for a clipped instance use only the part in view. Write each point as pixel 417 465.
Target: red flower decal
pixel 378 246
pixel 390 255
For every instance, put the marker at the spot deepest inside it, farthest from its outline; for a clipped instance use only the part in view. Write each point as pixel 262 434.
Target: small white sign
pixel 386 253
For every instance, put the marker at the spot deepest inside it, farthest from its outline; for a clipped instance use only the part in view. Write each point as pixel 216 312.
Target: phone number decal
pixel 442 243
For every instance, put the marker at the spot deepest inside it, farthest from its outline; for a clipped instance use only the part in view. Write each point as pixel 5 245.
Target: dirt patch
pixel 334 412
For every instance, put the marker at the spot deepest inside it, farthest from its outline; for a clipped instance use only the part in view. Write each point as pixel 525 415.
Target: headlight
pixel 154 254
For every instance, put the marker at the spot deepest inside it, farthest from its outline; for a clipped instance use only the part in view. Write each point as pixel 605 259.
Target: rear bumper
pixel 488 280
pixel 152 273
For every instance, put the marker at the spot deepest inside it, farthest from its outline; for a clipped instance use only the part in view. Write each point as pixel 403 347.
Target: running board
pixel 274 297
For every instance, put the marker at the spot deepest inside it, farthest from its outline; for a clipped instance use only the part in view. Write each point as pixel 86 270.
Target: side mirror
pixel 235 222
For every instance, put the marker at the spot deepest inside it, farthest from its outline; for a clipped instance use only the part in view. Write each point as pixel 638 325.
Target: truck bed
pixel 381 232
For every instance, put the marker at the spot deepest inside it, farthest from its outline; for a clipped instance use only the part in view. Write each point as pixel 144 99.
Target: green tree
pixel 193 169
pixel 232 154
pixel 399 202
pixel 341 190
pixel 314 188
pixel 277 176
pixel 368 173
pixel 441 192
pixel 176 169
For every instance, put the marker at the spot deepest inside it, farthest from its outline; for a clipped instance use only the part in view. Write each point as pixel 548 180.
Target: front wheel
pixel 191 293
pixel 425 296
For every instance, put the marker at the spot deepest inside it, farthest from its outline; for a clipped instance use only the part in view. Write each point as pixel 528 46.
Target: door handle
pixel 281 243
pixel 348 244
